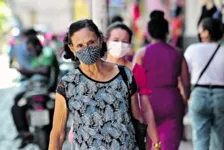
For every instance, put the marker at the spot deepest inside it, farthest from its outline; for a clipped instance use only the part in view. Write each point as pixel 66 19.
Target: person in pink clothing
pixel 177 28
pixel 164 66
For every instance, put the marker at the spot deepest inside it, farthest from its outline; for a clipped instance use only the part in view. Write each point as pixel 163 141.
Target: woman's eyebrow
pixel 86 42
pixel 116 38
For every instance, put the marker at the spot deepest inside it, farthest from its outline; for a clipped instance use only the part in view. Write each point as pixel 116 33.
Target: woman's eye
pixel 91 42
pixel 79 46
pixel 125 42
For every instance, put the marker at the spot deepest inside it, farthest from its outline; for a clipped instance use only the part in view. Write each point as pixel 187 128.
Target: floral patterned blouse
pixel 100 111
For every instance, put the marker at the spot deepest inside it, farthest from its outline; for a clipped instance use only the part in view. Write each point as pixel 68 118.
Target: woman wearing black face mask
pixel 205 62
pixel 96 95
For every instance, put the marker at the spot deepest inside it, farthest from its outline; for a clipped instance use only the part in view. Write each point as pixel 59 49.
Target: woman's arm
pixel 185 80
pixel 70 134
pixel 59 123
pixel 147 112
pixel 149 119
pixel 135 107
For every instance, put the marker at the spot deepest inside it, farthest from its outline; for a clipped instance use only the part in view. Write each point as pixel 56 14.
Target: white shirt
pixel 198 55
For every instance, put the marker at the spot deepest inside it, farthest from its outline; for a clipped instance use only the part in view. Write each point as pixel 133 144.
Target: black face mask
pixel 199 37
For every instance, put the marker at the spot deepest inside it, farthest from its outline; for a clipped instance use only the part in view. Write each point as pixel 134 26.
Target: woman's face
pixel 83 38
pixel 118 43
pixel 119 35
pixel 204 34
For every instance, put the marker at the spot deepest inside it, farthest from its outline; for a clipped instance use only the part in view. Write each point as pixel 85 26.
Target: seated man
pixel 44 63
pixel 20 52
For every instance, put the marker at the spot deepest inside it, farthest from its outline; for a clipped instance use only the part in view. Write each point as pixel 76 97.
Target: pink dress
pixel 162 64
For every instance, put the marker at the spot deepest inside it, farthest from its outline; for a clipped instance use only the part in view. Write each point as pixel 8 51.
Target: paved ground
pixel 7 130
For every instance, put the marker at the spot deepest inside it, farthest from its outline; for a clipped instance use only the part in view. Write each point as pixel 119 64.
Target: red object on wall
pixel 136 15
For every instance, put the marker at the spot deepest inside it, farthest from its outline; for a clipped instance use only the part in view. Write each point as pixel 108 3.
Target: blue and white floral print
pixel 100 111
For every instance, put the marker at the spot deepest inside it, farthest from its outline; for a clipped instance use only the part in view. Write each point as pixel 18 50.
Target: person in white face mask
pixel 118 49
pixel 118 38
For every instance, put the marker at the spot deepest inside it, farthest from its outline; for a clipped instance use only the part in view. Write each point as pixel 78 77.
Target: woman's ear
pixel 206 34
pixel 71 48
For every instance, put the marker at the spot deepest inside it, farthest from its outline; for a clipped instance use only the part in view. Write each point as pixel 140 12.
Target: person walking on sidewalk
pixel 96 95
pixel 205 61
pixel 118 39
pixel 164 65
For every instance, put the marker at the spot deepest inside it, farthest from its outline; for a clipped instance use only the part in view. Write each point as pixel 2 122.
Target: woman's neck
pixel 157 41
pixel 120 61
pixel 208 40
pixel 92 70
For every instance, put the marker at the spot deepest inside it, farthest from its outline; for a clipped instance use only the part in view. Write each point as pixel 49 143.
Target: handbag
pixel 140 128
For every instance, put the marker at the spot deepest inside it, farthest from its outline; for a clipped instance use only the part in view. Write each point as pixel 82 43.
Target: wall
pixel 54 13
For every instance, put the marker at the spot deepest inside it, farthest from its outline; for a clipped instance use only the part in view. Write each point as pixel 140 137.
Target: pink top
pixel 140 77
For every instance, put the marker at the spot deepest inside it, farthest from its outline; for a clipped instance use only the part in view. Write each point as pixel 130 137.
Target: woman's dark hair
pixel 33 40
pixel 75 27
pixel 178 11
pixel 214 27
pixel 30 32
pixel 158 27
pixel 118 25
pixel 116 18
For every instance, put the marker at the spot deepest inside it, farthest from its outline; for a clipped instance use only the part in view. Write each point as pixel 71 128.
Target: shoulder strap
pixel 207 64
pixel 125 78
pixel 123 74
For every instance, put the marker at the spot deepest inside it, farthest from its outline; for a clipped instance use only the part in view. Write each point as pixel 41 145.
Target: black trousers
pixel 19 114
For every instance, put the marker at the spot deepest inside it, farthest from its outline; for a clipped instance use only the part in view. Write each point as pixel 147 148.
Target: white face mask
pixel 118 49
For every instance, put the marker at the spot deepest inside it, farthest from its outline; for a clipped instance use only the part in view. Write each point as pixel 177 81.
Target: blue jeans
pixel 207 111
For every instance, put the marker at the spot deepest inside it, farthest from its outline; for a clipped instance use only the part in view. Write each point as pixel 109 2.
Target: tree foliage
pixel 4 18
